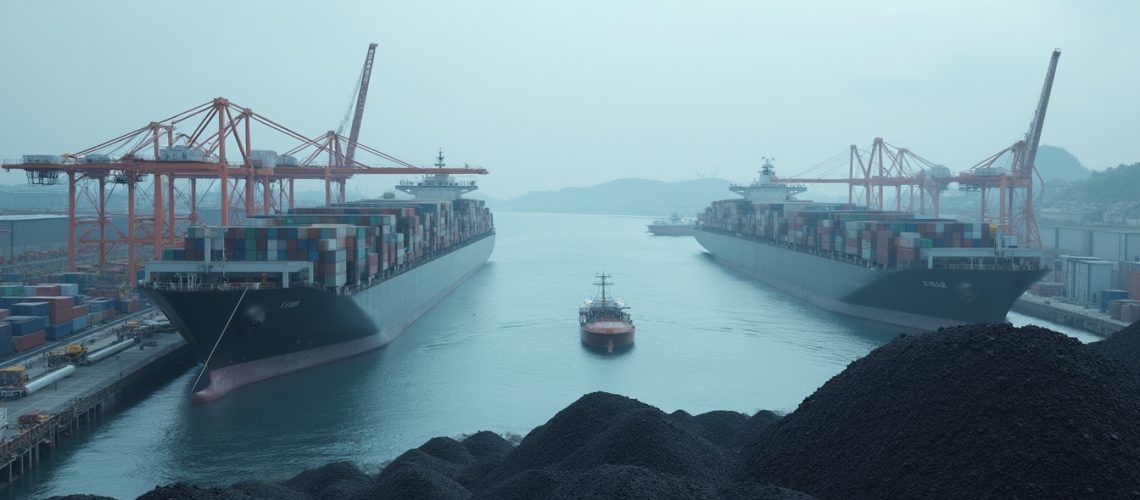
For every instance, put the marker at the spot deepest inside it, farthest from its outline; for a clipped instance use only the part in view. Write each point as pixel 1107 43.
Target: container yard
pixel 1087 292
pixel 1084 316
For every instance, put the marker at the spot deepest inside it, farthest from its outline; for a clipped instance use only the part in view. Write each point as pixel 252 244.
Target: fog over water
pixel 555 94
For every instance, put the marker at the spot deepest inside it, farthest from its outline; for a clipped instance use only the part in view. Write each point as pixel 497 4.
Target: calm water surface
pixel 501 353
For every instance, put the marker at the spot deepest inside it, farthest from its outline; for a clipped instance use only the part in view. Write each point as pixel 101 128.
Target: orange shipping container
pixel 25 342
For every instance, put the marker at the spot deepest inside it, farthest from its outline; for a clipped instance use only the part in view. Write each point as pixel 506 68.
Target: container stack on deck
pixel 885 238
pixel 351 244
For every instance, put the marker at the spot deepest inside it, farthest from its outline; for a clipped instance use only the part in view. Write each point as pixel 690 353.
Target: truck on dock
pixel 71 354
pixel 12 380
pixel 29 420
pixel 17 385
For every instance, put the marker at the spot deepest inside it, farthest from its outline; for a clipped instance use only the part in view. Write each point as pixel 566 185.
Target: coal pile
pixel 1122 346
pixel 610 446
pixel 601 446
pixel 966 412
pixel 335 480
pixel 721 427
pixel 601 429
pixel 183 491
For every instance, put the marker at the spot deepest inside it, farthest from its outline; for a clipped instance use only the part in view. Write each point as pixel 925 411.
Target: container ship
pixel 604 322
pixel 675 225
pixel 315 285
pixel 887 266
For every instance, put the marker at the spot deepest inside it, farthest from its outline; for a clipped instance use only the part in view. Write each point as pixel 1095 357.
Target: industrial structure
pixel 884 166
pixel 173 165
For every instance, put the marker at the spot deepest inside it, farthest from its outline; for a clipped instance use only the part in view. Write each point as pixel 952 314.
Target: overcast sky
pixel 550 94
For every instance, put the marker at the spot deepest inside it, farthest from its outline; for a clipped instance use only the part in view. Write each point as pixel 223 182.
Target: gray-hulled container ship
pixel 317 284
pixel 885 266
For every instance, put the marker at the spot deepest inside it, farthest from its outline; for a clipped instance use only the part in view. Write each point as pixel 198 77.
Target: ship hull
pixel 244 336
pixel 671 230
pixel 608 335
pixel 911 299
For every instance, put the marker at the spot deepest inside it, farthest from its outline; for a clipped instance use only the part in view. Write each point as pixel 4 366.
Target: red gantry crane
pixel 177 158
pixel 888 166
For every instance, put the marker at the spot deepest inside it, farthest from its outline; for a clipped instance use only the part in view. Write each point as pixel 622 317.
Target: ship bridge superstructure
pixel 767 188
pixel 441 186
pixel 603 307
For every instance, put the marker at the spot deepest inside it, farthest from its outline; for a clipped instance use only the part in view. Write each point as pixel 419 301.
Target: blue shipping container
pixel 31 309
pixel 23 325
pixel 56 332
pixel 1104 297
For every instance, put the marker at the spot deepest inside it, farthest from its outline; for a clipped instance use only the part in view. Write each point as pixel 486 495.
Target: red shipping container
pixel 47 290
pixel 25 342
pixel 1134 285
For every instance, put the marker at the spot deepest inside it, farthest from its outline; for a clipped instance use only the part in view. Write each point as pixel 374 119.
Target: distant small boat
pixel 675 225
pixel 605 321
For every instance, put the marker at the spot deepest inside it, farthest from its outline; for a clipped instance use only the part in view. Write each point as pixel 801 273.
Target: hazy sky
pixel 549 94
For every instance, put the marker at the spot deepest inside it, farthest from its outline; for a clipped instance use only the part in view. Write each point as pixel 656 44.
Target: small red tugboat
pixel 605 321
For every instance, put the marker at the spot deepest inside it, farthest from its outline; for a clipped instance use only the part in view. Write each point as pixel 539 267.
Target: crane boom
pixel 1033 136
pixel 354 134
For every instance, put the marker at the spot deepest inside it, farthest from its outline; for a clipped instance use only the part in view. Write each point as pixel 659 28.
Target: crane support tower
pixel 354 133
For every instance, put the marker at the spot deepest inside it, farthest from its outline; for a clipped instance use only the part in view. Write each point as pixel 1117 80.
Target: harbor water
pixel 501 353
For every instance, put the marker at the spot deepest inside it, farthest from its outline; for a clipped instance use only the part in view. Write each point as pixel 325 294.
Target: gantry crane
pixel 932 179
pixel 1018 181
pixel 197 156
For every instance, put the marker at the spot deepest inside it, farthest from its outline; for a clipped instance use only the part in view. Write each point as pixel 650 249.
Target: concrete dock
pixel 86 394
pixel 1057 310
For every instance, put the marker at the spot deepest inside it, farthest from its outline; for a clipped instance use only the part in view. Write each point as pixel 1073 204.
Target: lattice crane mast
pixel 362 95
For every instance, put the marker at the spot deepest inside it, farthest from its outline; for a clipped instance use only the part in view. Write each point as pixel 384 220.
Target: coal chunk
pixel 969 412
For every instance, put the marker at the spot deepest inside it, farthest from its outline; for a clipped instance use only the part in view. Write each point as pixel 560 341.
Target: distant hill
pixel 1057 164
pixel 1108 197
pixel 625 196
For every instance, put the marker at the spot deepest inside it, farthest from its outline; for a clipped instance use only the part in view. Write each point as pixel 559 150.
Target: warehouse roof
pixel 20 217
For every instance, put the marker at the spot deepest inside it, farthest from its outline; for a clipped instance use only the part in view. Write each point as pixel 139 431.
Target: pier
pixel 1054 309
pixel 83 397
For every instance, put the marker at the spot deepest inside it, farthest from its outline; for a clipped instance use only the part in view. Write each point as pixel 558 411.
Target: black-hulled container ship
pixel 317 284
pixel 887 266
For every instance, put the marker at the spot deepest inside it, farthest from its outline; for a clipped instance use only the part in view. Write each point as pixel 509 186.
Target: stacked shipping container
pixel 884 238
pixel 349 245
pixel 33 314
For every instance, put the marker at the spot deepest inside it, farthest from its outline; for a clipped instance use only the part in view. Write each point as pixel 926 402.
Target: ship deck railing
pixel 861 262
pixel 350 289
